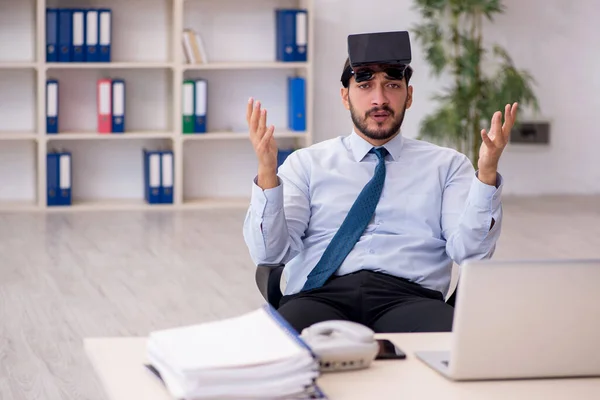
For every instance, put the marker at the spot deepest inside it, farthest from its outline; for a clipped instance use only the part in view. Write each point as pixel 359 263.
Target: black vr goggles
pixel 390 50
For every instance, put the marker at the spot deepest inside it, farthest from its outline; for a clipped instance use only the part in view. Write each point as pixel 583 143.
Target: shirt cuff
pixel 266 202
pixel 485 196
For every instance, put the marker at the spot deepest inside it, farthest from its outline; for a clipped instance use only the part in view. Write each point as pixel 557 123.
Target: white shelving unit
pixel 213 169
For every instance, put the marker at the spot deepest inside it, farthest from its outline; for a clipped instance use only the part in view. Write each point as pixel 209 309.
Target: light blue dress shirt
pixel 433 210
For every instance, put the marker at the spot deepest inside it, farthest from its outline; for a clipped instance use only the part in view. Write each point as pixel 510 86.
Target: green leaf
pixel 431 38
pixel 514 85
pixel 470 60
pixel 445 123
pixel 487 7
pixel 491 7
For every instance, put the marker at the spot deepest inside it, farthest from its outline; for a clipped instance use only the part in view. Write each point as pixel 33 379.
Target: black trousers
pixel 382 302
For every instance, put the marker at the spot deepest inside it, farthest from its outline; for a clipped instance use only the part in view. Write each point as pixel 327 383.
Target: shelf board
pixel 110 205
pixel 25 205
pixel 17 65
pixel 109 136
pixel 110 65
pixel 212 203
pixel 18 136
pixel 238 135
pixel 246 65
pixel 141 205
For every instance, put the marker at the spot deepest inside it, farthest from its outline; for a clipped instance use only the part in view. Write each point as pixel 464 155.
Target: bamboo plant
pixel 483 80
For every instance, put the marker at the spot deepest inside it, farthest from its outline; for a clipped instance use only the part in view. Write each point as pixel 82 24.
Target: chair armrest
pixel 452 299
pixel 268 277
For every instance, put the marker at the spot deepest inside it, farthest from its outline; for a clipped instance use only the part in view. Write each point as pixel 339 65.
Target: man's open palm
pixel 497 138
pixel 261 136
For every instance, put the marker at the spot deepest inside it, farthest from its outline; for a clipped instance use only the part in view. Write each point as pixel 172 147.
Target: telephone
pixel 341 345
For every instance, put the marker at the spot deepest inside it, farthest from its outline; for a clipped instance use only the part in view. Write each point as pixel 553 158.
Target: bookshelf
pixel 212 169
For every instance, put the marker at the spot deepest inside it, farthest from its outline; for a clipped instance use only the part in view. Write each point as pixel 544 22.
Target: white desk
pixel 119 364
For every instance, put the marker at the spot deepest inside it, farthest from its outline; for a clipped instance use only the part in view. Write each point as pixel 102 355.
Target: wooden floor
pixel 66 276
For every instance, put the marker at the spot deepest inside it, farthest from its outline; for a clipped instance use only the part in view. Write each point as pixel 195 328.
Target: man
pixel 369 224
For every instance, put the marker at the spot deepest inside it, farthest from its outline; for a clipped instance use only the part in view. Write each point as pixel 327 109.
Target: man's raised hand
pixel 264 144
pixel 261 136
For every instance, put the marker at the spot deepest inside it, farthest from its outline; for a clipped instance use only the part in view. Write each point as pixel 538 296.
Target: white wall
pixel 546 37
pixel 555 40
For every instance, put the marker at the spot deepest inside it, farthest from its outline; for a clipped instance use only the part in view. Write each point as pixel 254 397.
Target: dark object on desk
pixel 389 351
pixel 154 371
pixel 268 280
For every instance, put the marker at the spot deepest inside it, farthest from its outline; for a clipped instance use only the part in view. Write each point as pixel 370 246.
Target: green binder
pixel 188 105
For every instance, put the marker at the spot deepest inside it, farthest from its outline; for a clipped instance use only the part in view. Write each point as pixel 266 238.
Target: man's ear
pixel 409 94
pixel 344 94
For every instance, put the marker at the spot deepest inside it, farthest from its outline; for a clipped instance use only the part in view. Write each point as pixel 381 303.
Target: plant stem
pixel 458 136
pixel 477 95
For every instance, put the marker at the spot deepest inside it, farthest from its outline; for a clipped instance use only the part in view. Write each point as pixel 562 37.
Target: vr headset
pixel 390 50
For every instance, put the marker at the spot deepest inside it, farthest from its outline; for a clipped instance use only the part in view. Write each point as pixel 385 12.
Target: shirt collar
pixel 360 147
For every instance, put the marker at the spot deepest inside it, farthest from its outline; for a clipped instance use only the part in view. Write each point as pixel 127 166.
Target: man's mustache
pixel 380 109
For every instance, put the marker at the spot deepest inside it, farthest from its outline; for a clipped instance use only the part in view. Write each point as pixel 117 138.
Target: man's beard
pixel 379 133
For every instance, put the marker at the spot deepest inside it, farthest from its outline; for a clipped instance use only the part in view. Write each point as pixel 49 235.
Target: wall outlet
pixel 531 133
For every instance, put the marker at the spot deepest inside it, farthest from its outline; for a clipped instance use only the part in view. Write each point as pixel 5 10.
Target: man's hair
pixel 407 73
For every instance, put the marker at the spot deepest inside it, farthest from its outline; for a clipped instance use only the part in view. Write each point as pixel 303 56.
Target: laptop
pixel 523 319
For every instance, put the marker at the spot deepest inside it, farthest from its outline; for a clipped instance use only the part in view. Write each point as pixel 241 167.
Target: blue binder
pixel 52 109
pixel 65 34
pixel 291 35
pixel 167 177
pixel 58 178
pixel 201 105
pixel 282 154
pixel 118 106
pixel 78 35
pixel 296 104
pixel 92 48
pixel 152 176
pixel 51 35
pixel 52 179
pixel 104 34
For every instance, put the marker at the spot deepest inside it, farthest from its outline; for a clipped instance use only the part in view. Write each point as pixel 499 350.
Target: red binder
pixel 104 105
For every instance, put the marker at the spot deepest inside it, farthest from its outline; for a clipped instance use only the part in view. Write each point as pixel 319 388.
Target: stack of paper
pixel 253 356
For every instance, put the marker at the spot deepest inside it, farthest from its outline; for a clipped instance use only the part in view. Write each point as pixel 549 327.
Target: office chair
pixel 268 280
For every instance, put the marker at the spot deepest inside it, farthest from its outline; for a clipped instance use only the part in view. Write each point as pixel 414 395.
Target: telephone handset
pixel 341 345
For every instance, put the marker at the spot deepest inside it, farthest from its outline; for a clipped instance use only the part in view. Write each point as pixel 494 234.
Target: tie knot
pixel 381 152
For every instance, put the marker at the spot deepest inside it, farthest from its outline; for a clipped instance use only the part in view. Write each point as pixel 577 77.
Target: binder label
pixel 92 28
pixel 118 99
pixel 188 99
pixel 104 29
pixel 78 28
pixel 52 99
pixel 65 171
pixel 201 98
pixel 167 170
pixel 105 98
pixel 155 170
pixel 301 30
